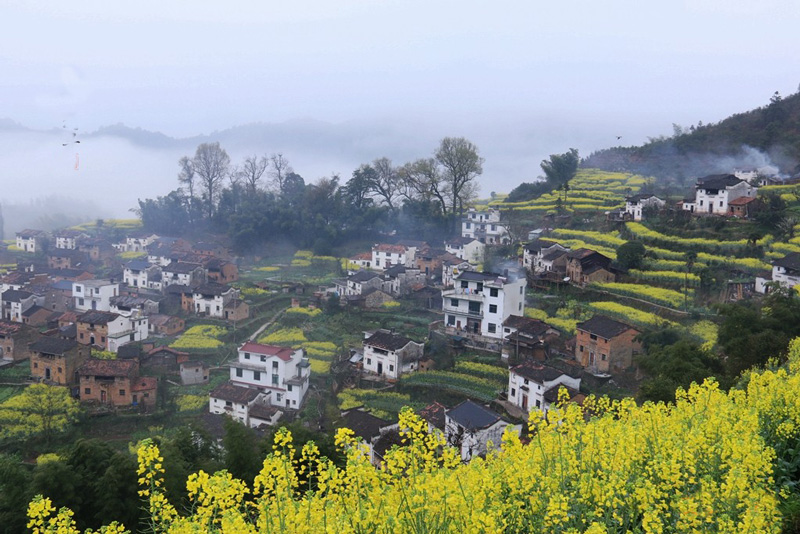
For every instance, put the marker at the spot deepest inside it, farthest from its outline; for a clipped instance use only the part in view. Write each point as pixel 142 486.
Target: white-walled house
pixel 785 271
pixel 358 283
pixel 466 248
pixel 183 274
pixel 484 226
pixel 714 192
pixel 452 267
pixel 282 371
pixel 542 256
pixel 16 302
pixel 384 255
pixel 480 302
pixel 127 329
pixel 210 299
pixel 249 406
pixel 140 273
pixel 636 204
pixel 391 355
pixel 31 240
pixel 471 427
pixel 139 242
pixel 67 239
pixel 529 381
pixel 94 294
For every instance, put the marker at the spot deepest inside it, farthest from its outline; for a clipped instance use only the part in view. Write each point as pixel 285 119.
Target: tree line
pixel 263 198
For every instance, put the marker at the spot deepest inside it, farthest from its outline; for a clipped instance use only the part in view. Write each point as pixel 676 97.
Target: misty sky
pixel 522 79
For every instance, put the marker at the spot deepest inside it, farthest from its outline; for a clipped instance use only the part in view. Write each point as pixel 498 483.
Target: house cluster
pixel 723 194
pixel 636 206
pixel 75 296
pixel 785 273
pixel 266 381
pixel 549 261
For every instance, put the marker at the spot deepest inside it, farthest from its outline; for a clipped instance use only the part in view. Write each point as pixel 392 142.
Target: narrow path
pixel 267 324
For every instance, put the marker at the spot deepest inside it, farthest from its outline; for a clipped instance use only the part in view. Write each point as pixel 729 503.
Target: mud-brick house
pixel 605 345
pixel 55 361
pixel 585 266
pixel 221 271
pixel 14 340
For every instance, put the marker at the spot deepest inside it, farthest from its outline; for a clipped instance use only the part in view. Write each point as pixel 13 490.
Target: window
pixel 701 202
pixel 474 307
pixel 289 387
pixel 494 227
pixel 278 397
pixel 464 284
pixel 480 286
pixel 80 335
pixel 35 365
pixel 246 355
pixel 493 292
pixel 80 302
pixel 603 357
pixel 294 403
pixel 593 337
pixel 369 361
pixel 454 303
pixel 492 328
pixel 263 358
pixel 122 393
pixel 520 290
pixel 228 403
pixel 239 372
pixel 538 404
pixel 519 307
pixel 469 225
pixel 720 203
pixel 274 365
pixel 492 308
pixel 391 367
pixel 451 320
pixel 581 348
pixel 87 391
pixel 103 338
pixel 275 380
pixel 256 375
pixel 513 392
pixel 59 370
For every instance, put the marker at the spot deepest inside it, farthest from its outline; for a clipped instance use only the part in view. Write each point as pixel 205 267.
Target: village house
pixel 31 240
pixel 178 297
pixel 67 239
pixel 15 302
pixel 64 258
pixel 470 427
pixel 636 205
pixel 543 256
pixel 139 273
pixel 744 207
pixel 116 382
pixel 362 260
pixel 451 267
pixel 128 304
pixel 785 271
pixel 94 294
pixel 527 338
pixel 604 345
pixel 585 266
pixel 165 250
pixel 370 429
pixel 399 280
pixel 236 310
pixel 391 355
pixel 358 283
pixel 714 193
pixel 530 382
pixel 109 331
pixel 193 372
pixel 183 273
pixel 206 248
pixel 163 360
pixel 55 361
pixel 384 255
pixel 480 302
pixel 97 248
pixel 435 415
pixel 466 248
pixel 429 260
pixel 139 241
pixel 167 325
pixel 210 299
pixel 14 340
pixel 36 316
pixel 221 271
pixel 484 226
pixel 250 407
pixel 282 371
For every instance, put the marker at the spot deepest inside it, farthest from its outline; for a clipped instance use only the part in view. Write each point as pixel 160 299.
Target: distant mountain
pixel 768 136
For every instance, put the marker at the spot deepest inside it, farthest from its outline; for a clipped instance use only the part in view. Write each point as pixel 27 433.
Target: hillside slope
pixel 766 136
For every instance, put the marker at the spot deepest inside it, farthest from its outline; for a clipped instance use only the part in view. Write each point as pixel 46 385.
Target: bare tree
pixel 422 180
pixel 279 170
pixel 252 170
pixel 460 164
pixel 211 165
pixel 385 183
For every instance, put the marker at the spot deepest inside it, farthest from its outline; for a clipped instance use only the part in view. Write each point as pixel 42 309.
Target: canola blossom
pixel 712 462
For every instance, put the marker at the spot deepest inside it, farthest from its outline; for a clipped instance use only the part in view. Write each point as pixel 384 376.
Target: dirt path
pixel 267 324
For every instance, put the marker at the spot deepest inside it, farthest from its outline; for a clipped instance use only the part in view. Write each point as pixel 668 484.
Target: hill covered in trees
pixel 768 136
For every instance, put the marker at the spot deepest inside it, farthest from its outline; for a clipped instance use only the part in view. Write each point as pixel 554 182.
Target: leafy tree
pixel 15 493
pixel 675 365
pixel 630 255
pixel 461 165
pixel 242 457
pixel 561 168
pixel 39 410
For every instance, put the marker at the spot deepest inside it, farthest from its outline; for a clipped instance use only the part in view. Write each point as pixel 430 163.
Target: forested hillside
pixel 766 136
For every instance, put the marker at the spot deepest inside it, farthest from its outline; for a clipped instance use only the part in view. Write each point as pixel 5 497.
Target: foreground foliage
pixel 712 462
